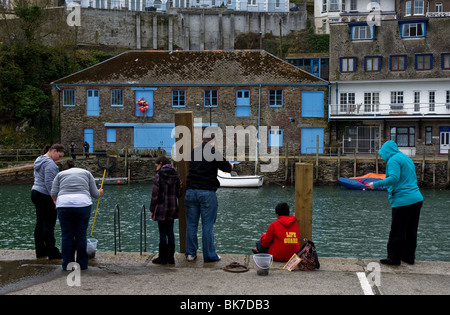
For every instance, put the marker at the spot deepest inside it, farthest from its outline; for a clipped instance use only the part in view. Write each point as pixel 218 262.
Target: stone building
pixel 327 12
pixel 391 81
pixel 420 8
pixel 223 88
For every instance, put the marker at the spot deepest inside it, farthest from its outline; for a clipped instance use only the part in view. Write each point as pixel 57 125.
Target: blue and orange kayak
pixel 358 182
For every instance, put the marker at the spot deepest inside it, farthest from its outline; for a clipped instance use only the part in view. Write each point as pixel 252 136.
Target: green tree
pixel 30 101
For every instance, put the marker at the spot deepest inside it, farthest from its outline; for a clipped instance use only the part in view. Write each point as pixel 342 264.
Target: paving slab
pixel 135 274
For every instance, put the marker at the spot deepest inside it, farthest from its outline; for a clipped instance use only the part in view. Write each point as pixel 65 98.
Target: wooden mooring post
pixel 304 178
pixel 185 119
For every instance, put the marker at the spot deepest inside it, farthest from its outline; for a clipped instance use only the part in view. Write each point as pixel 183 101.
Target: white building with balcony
pixel 391 82
pixel 327 12
pixel 164 5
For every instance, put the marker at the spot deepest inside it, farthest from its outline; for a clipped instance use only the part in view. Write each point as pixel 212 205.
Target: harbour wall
pixel 431 173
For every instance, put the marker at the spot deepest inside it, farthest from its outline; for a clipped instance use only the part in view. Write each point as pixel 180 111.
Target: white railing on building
pixel 438 14
pixel 389 109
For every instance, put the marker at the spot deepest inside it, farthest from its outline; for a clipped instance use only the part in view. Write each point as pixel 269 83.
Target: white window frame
pixel 371 102
pixel 346 100
pixel 413 30
pixel 432 101
pixel 408 8
pixel 419 7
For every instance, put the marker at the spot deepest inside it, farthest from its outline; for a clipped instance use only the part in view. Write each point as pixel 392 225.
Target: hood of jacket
pixel 287 220
pixel 40 161
pixel 388 149
pixel 169 174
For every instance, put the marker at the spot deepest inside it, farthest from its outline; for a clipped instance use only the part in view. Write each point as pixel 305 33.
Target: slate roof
pixel 192 67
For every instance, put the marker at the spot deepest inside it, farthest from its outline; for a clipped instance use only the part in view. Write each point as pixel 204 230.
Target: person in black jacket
pixel 201 199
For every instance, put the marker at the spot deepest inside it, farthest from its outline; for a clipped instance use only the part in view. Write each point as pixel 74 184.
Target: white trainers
pixel 191 258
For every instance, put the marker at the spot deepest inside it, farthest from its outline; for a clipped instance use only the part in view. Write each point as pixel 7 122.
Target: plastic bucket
pixel 91 247
pixel 263 263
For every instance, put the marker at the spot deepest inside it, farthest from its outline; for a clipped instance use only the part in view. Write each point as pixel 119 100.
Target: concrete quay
pixel 131 274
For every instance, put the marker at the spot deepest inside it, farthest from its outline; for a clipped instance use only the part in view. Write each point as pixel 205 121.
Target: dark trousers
pixel 166 235
pixel 74 223
pixel 403 236
pixel 44 231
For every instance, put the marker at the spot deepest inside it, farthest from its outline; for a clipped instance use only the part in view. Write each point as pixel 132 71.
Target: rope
pixel 236 267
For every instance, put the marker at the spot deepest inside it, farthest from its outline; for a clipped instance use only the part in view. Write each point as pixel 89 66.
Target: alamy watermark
pixel 74 16
pixel 374 276
pixel 374 17
pixel 250 139
pixel 74 278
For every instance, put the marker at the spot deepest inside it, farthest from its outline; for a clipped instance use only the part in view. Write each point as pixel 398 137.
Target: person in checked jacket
pixel 164 207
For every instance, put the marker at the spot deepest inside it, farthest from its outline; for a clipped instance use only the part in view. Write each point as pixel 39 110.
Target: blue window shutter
pixel 110 135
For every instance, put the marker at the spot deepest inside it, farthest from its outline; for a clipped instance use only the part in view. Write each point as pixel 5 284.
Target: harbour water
pixel 346 223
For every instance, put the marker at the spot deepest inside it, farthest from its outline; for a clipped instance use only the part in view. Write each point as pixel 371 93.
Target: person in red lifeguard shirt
pixel 281 238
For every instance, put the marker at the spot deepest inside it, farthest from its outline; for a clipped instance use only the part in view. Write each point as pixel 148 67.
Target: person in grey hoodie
pixel 45 170
pixel 72 190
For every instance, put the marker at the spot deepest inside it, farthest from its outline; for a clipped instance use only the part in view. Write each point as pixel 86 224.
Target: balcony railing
pixel 389 109
pixel 438 14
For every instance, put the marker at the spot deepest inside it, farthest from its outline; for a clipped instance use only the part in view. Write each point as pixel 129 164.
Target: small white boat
pixel 232 180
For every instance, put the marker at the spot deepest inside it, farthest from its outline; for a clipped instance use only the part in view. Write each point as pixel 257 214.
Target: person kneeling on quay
pixel 281 238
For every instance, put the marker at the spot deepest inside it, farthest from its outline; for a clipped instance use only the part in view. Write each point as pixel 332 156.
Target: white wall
pixel 440 86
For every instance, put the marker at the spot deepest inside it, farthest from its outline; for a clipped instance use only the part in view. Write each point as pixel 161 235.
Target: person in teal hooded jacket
pixel 406 201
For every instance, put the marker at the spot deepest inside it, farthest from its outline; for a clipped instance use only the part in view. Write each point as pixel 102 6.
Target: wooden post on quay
pixel 185 119
pixel 286 163
pixel 317 157
pixel 339 164
pixel 304 173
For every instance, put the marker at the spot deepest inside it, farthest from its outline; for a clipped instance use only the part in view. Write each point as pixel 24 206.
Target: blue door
pixel 154 136
pixel 243 103
pixel 148 96
pixel 93 104
pixel 275 137
pixel 89 138
pixel 312 104
pixel 309 140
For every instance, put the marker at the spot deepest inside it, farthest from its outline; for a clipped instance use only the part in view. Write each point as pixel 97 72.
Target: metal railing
pixel 116 227
pixel 143 222
pixel 19 154
pixel 418 109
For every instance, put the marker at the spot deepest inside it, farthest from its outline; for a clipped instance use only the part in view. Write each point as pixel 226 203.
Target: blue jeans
pixel 201 203
pixel 74 223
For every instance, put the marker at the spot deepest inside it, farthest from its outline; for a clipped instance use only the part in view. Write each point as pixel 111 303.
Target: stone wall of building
pixel 186 29
pixel 163 113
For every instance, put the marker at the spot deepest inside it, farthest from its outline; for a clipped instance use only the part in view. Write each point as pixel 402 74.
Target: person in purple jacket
pixel 45 170
pixel 164 207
